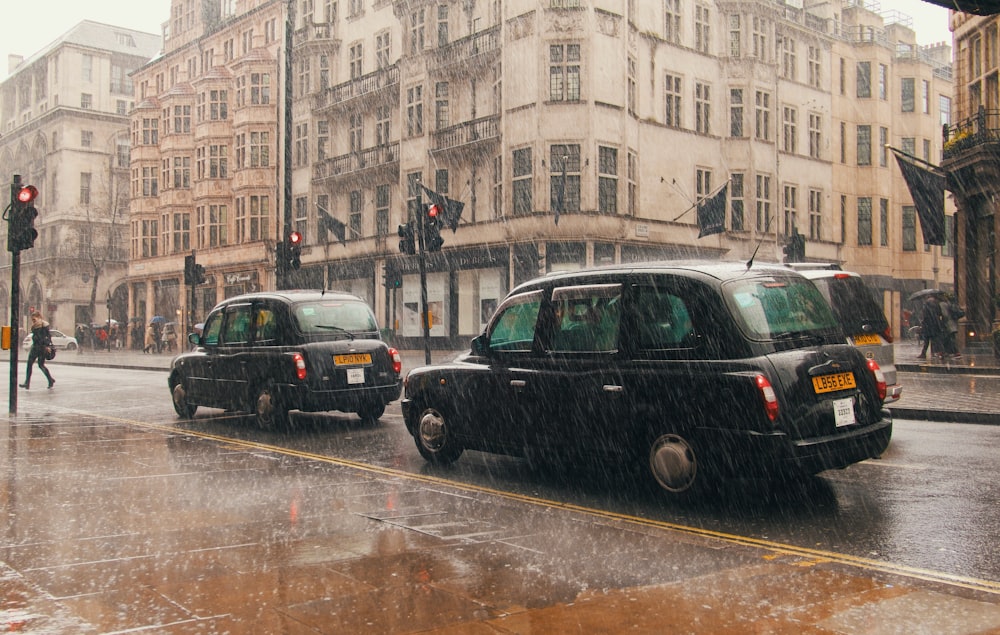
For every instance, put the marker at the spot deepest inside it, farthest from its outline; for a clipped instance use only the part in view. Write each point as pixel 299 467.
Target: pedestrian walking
pixel 950 315
pixel 149 343
pixel 41 343
pixel 931 327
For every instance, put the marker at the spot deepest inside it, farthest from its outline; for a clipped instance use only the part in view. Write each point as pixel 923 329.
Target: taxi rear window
pixel 778 307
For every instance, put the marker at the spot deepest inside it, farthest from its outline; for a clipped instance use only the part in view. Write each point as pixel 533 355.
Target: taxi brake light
pixel 841 276
pixel 300 365
pixel 397 360
pixel 876 371
pixel 768 395
pixel 887 334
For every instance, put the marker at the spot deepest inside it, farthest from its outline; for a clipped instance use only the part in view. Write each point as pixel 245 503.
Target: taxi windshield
pixel 333 317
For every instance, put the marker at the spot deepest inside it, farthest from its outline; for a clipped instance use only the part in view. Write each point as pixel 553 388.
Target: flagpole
pixel 697 203
pixel 910 156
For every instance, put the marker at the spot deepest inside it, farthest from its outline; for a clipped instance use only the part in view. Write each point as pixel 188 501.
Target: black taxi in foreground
pixel 688 371
pixel 268 353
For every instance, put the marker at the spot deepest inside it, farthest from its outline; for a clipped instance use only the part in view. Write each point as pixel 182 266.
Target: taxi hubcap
pixel 673 463
pixel 432 430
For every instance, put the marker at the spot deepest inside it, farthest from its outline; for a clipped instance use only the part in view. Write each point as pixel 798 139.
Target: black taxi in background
pixel 690 372
pixel 859 310
pixel 269 353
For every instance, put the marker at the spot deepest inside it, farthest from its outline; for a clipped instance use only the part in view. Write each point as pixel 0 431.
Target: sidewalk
pixel 962 391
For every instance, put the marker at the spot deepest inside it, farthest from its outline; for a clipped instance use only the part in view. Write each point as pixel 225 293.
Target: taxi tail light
pixel 300 365
pixel 887 334
pixel 876 371
pixel 397 360
pixel 769 396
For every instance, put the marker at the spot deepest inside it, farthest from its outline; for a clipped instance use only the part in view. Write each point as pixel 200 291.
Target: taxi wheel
pixel 675 465
pixel 434 438
pixel 181 405
pixel 268 409
pixel 371 413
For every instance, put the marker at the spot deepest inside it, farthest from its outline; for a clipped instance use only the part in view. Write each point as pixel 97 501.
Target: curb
pixel 949 416
pixel 947 369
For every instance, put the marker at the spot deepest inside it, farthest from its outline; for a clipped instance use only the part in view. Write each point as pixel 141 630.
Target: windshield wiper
pixel 788 335
pixel 335 328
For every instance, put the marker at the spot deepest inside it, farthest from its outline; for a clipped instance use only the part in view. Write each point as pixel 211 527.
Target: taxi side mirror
pixel 480 345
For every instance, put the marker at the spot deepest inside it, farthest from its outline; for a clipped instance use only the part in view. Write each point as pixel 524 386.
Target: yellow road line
pixel 778 548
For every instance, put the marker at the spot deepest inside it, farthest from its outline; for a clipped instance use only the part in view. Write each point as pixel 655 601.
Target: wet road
pixel 927 510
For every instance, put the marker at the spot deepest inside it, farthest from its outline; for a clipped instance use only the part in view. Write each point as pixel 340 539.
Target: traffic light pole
pixel 15 304
pixel 422 261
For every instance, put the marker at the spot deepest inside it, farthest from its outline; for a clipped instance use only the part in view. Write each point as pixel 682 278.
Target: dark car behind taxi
pixel 689 371
pixel 268 353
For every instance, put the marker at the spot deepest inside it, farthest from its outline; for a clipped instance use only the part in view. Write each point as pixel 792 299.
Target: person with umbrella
pixel 156 324
pixel 931 327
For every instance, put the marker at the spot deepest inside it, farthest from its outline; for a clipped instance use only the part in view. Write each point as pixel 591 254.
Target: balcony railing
pixel 482 129
pixel 324 33
pixel 977 130
pixel 465 51
pixel 345 164
pixel 382 79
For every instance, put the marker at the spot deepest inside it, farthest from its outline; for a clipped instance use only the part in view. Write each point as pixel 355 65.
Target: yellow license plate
pixel 832 383
pixel 866 340
pixel 354 359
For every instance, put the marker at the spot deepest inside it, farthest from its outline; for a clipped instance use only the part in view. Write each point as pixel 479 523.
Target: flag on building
pixel 450 208
pixel 332 225
pixel 927 186
pixel 712 213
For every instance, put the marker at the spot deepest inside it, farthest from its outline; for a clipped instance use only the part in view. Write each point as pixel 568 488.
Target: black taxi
pixel 269 353
pixel 690 371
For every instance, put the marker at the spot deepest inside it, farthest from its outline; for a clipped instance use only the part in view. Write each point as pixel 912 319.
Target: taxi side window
pixel 210 336
pixel 266 325
pixel 587 318
pixel 663 320
pixel 514 327
pixel 236 327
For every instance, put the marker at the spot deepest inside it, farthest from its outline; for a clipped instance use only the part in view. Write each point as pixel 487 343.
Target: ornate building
pixel 574 133
pixel 64 122
pixel 971 146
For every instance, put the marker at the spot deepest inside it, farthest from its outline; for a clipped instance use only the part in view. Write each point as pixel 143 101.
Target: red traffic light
pixel 295 238
pixel 432 211
pixel 27 194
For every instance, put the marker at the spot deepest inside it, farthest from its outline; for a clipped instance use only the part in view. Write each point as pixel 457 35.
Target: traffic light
pixel 432 229
pixel 408 244
pixel 393 278
pixel 193 272
pixel 295 249
pixel 21 232
pixel 189 266
pixel 795 248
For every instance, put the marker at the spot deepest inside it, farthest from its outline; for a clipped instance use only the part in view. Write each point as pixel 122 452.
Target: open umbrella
pixel 923 293
pixel 157 319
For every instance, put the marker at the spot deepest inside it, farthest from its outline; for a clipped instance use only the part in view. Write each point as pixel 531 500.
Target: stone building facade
pixel 64 118
pixel 972 143
pixel 576 133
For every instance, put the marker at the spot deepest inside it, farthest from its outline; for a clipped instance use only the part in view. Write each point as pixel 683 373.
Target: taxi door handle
pixel 518 383
pixel 613 388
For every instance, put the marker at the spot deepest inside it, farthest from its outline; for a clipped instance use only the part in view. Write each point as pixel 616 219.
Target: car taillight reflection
pixel 397 361
pixel 300 365
pixel 769 396
pixel 879 378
